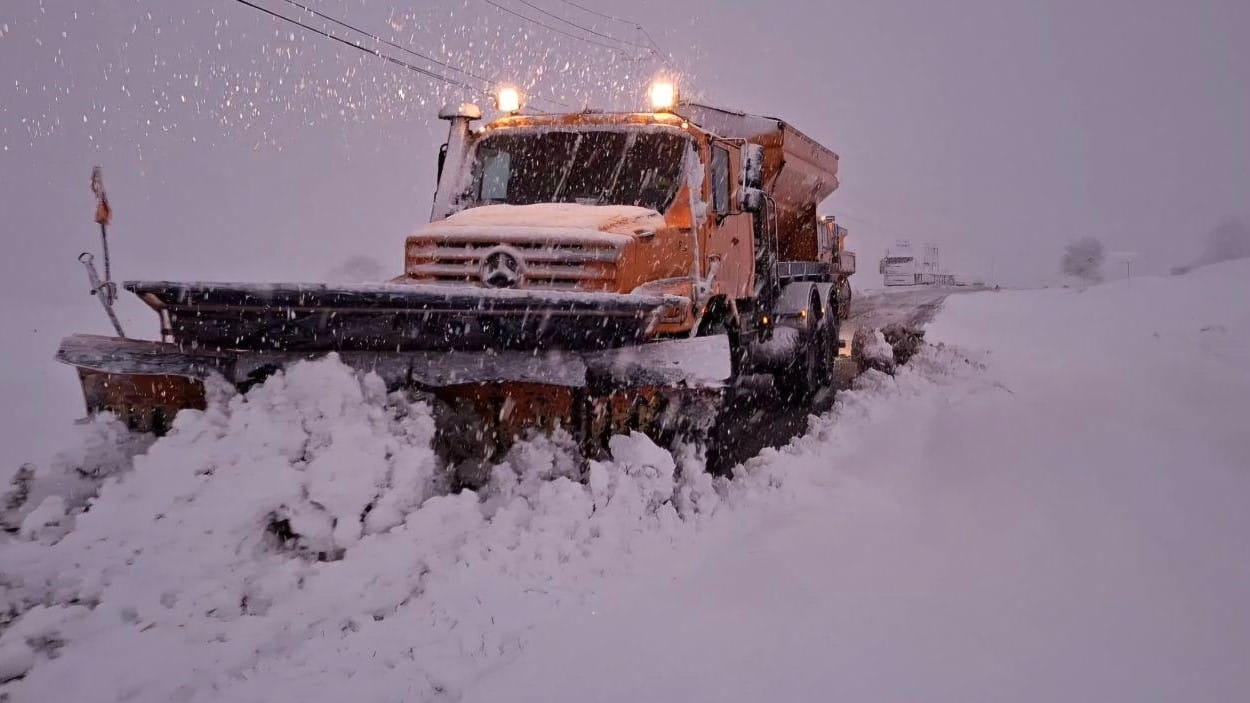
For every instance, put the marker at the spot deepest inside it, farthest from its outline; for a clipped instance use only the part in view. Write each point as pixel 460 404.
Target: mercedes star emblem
pixel 501 269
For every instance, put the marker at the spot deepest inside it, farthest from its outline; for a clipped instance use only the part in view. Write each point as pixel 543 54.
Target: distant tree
pixel 1229 240
pixel 357 269
pixel 1083 259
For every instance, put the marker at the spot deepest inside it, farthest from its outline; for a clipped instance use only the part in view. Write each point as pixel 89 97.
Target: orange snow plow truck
pixel 595 272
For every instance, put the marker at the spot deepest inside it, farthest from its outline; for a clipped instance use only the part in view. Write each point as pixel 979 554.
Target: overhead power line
pixel 597 13
pixel 398 62
pixel 610 47
pixel 376 38
pixel 664 56
pixel 435 75
pixel 584 29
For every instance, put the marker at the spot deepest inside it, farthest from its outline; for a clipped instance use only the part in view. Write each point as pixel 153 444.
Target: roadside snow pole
pixel 106 290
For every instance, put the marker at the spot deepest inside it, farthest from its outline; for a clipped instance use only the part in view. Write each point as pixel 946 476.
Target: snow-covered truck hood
pixel 626 221
pixel 546 245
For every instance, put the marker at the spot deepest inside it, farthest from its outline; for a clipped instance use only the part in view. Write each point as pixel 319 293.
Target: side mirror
pixel 442 161
pixel 752 199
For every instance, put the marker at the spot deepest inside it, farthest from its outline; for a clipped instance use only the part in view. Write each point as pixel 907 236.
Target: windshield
pixel 594 167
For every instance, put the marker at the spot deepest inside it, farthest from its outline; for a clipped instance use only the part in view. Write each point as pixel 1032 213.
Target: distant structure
pixel 1124 260
pixel 900 266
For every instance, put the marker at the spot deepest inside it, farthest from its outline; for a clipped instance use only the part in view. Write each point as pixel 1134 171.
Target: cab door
pixel 728 254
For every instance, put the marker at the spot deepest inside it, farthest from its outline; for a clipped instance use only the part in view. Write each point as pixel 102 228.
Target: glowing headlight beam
pixel 663 95
pixel 508 99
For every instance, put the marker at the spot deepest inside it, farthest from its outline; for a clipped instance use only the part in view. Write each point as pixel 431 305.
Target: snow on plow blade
pixel 398 317
pixel 485 399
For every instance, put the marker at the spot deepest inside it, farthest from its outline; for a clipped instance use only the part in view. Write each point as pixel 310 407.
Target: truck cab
pixel 613 203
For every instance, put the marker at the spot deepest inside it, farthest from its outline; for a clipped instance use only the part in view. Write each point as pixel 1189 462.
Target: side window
pixel 720 180
pixel 824 244
pixel 496 170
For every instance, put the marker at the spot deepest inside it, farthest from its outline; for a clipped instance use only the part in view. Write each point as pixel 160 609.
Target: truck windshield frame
pixel 593 166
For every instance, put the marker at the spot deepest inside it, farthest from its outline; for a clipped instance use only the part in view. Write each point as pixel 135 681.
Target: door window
pixel 720 180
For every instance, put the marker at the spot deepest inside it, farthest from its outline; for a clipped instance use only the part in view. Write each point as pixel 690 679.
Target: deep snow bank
pixel 41 398
pixel 1067 523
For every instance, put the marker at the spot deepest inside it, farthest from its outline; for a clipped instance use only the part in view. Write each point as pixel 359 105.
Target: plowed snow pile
pixel 300 542
pixel 1053 510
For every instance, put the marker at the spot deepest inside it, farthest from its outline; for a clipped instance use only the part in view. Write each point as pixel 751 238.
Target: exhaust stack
pixel 451 159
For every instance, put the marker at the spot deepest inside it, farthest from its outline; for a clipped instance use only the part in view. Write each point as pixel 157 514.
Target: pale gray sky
pixel 999 128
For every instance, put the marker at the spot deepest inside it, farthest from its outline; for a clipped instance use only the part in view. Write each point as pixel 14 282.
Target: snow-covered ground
pixel 41 398
pixel 1049 504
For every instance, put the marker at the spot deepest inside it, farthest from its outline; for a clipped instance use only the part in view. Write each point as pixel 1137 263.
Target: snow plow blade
pixel 484 400
pixel 398 317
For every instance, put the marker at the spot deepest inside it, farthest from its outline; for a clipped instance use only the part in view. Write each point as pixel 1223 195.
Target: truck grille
pixel 585 263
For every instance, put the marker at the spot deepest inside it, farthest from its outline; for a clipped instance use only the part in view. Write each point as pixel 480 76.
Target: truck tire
pixel 798 380
pixel 739 355
pixel 809 369
pixel 832 329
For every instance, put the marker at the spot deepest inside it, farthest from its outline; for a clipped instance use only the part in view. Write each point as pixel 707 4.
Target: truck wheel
pixel 799 379
pixel 844 299
pixel 831 329
pixel 804 373
pixel 739 355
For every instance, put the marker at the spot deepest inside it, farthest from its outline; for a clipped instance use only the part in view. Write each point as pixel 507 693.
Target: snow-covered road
pixel 1049 504
pixel 758 418
pixel 1067 524
pixel 909 306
